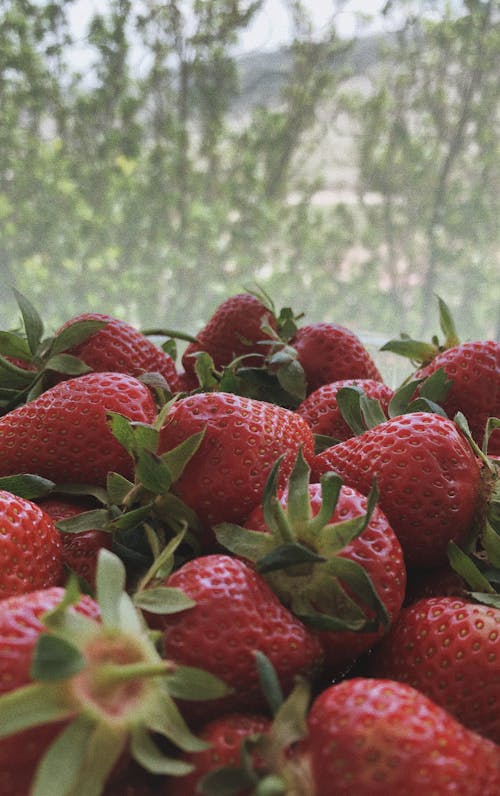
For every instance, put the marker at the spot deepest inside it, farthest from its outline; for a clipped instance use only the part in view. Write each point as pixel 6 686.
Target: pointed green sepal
pixel 55 658
pixel 269 682
pixel 467 569
pixel 163 600
pixel 193 683
pixel 146 752
pixel 58 771
pixel 32 705
pixel 26 485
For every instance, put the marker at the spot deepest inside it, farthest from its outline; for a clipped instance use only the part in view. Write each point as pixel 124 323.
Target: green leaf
pixel 487 599
pixel 163 600
pixel 398 405
pixel 131 519
pixel 149 756
pixel 248 544
pixel 26 485
pixel 226 781
pixel 287 555
pixel 165 718
pixel 110 583
pixel 117 488
pixel 122 429
pixel 414 350
pixel 67 364
pixel 12 345
pixel 466 568
pixel 292 378
pixel 33 324
pixel 58 770
pixel 74 334
pixel 32 705
pixel 153 472
pixel 436 387
pixel 93 519
pixel 371 411
pixel 55 658
pixel 204 368
pixel 192 683
pixel 177 458
pixel 491 543
pixel 322 442
pixel 349 402
pixel 102 752
pixel 269 682
pixel 447 325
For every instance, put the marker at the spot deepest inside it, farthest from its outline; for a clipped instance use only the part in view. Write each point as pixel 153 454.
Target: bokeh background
pixel 158 155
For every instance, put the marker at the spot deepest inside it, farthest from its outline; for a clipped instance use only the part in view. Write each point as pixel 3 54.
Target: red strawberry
pixel 30 548
pixel 428 478
pixel 235 614
pixel 97 677
pixel 225 478
pixel 225 736
pixel 375 737
pixel 329 352
pixel 376 550
pixel 20 627
pixel 322 412
pixel 64 435
pixel 450 650
pixel 234 330
pixel 118 346
pixel 474 371
pixel 79 550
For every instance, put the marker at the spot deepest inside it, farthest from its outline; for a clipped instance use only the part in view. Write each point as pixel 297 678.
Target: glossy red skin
pixel 235 614
pixel 79 550
pixel 244 437
pixel 225 736
pixel 450 650
pixel 30 547
pixel 20 627
pixel 330 352
pixel 377 550
pixel 118 346
pixel 64 435
pixel 375 737
pixel 233 330
pixel 321 410
pixel 474 369
pixel 428 477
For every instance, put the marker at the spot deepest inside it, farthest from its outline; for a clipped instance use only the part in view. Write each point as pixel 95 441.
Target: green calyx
pixel 42 355
pixel 421 353
pixel 300 555
pixel 108 683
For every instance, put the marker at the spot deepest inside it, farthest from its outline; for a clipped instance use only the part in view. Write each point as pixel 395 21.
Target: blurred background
pixel 157 156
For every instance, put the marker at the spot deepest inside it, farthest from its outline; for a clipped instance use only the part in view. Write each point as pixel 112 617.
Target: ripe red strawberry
pixel 449 649
pixel 428 478
pixel 322 412
pixel 235 614
pixel 79 550
pixel 234 330
pixel 30 547
pixel 20 627
pixel 118 346
pixel 376 737
pixel 225 478
pixel 329 352
pixel 225 736
pixel 474 370
pixel 64 435
pixel 377 550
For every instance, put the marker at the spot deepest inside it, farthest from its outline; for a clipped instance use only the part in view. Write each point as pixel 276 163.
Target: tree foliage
pixel 135 185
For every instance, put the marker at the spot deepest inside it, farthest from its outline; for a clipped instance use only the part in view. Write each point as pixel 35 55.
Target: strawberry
pixel 468 367
pixel 235 613
pixel 474 371
pixel 118 346
pixel 225 736
pixel 322 411
pixel 96 679
pixel 30 548
pixel 234 330
pixel 243 437
pixel 449 649
pixel 331 557
pixel 79 550
pixel 329 352
pixel 20 627
pixel 63 434
pixel 428 477
pixel 377 737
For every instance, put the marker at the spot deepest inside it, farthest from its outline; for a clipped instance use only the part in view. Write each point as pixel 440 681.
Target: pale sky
pixel 270 29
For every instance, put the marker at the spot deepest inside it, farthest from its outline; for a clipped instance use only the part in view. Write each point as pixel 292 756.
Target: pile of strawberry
pixel 261 571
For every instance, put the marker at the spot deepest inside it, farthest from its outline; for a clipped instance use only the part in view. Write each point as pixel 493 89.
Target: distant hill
pixel 263 73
